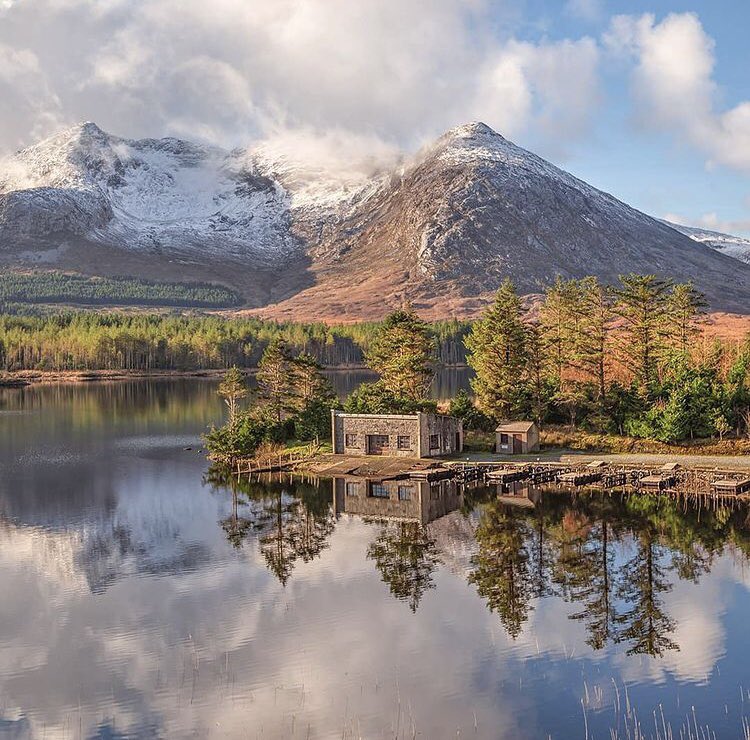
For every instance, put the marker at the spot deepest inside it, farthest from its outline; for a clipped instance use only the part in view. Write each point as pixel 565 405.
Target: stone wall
pixel 360 426
pixel 429 435
pixel 441 435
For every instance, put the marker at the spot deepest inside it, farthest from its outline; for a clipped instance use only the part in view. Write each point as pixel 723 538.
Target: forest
pixel 49 286
pixel 78 340
pixel 624 359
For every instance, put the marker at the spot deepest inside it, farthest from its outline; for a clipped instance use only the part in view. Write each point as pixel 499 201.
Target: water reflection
pixel 613 555
pixel 149 598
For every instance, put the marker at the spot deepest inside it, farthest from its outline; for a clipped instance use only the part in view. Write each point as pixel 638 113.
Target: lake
pixel 142 596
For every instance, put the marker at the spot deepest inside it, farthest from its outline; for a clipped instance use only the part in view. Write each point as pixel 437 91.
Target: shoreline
pixel 24 378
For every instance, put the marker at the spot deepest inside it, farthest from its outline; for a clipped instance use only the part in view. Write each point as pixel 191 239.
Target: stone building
pixel 399 435
pixel 516 437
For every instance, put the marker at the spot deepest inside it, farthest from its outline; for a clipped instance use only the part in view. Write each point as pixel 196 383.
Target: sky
pixel 648 100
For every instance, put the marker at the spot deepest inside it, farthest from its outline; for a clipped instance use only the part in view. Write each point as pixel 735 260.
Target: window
pixel 352 488
pixel 434 441
pixel 404 493
pixel 503 439
pixel 378 490
pixel 404 442
pixel 350 440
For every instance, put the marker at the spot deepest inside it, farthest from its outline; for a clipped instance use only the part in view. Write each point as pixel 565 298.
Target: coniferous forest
pixel 627 359
pixel 77 340
pixel 50 286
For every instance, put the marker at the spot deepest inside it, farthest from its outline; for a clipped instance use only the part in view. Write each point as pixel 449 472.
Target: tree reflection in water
pixel 616 555
pixel 501 572
pixel 291 519
pixel 406 557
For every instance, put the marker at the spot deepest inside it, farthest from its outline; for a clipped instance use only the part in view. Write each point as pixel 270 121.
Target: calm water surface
pixel 140 597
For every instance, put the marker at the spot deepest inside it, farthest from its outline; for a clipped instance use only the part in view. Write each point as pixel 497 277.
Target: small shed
pixel 516 437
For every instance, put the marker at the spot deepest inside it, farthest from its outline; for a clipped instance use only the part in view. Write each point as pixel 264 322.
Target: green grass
pixel 49 286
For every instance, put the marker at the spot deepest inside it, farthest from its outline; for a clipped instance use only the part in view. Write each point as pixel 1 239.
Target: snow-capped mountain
pixel 160 196
pixel 733 246
pixel 442 229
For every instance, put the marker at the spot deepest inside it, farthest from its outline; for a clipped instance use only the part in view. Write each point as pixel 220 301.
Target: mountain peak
pixel 470 130
pixel 471 135
pixel 82 131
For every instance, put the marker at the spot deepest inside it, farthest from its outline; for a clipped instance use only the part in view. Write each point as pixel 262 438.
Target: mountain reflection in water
pixel 144 596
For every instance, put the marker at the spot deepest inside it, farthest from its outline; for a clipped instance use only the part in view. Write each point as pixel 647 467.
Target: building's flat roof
pixel 390 416
pixel 515 426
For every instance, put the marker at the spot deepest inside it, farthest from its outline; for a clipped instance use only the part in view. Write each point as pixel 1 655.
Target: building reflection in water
pixel 407 500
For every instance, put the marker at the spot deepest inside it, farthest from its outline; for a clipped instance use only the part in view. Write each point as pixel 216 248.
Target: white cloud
pixel 234 70
pixel 28 107
pixel 674 87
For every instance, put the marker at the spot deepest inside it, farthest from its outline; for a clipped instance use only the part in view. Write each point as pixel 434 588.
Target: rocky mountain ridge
pixel 442 229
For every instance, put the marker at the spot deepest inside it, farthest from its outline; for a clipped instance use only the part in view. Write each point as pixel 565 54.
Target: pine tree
pixel 642 302
pixel 685 309
pixel 233 389
pixel 308 381
pixel 402 354
pixel 497 353
pixel 591 345
pixel 537 372
pixel 313 398
pixel 276 379
pixel 558 317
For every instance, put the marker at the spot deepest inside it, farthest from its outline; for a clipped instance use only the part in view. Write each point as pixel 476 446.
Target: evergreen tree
pixel 558 316
pixel 685 308
pixel 642 304
pixel 313 398
pixel 375 398
pixel 233 389
pixel 276 375
pixel 462 406
pixel 540 389
pixel 402 353
pixel 592 340
pixel 497 353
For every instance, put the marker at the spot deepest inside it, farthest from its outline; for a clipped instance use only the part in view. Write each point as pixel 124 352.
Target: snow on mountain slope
pixel 164 196
pixel 733 246
pixel 442 228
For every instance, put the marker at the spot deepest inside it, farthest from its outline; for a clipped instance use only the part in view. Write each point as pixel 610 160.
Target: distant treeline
pixel 58 287
pixel 111 341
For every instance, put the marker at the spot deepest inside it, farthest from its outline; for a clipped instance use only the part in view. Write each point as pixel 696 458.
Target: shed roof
pixel 515 426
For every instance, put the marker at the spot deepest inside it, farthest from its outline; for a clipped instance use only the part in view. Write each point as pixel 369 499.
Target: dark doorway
pixel 377 444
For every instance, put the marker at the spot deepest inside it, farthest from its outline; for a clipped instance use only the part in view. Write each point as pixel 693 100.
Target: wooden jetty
pixel 670 478
pixel 580 477
pixel 508 475
pixel 546 473
pixel 734 486
pixel 657 482
pixel 615 479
